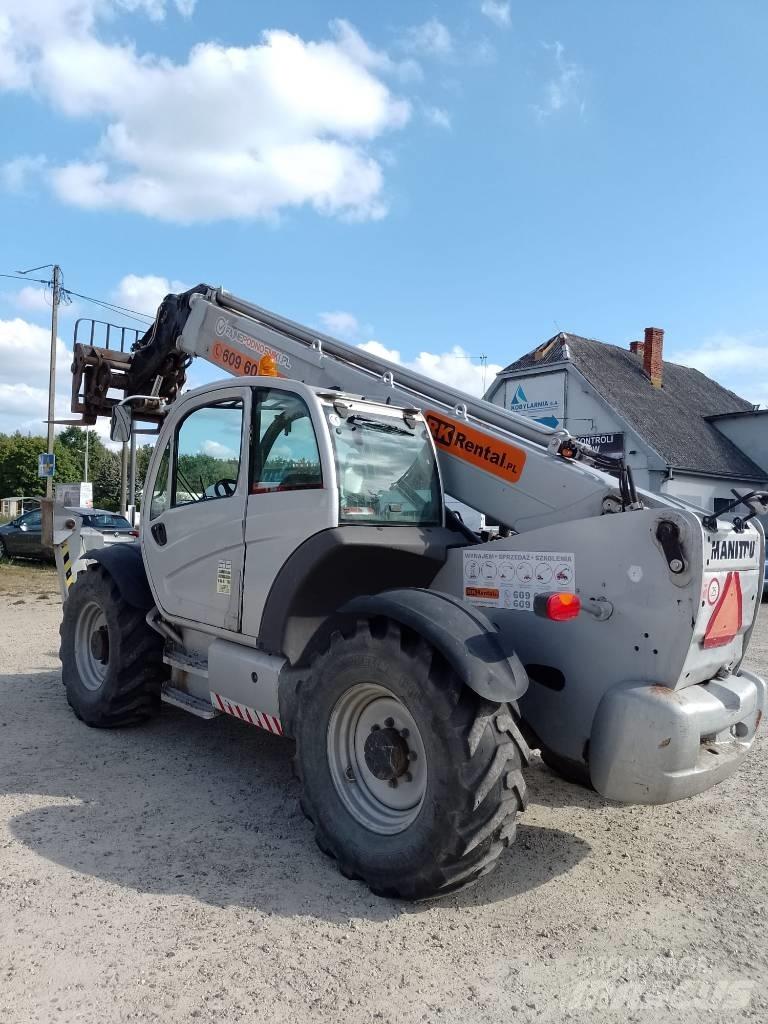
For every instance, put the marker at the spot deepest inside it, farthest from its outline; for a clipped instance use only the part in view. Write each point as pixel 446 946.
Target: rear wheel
pixel 112 664
pixel 412 781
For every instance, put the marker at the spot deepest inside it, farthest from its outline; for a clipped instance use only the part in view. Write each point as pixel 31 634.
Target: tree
pixel 18 464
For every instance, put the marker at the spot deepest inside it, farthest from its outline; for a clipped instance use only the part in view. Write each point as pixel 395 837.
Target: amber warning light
pixel 557 607
pixel 268 366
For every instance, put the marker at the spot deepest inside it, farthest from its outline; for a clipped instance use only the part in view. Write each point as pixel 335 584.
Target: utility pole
pixel 52 376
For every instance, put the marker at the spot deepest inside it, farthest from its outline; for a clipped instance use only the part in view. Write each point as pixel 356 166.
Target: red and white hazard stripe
pixel 248 715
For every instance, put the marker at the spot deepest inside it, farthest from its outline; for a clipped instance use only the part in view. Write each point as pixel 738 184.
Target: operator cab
pixel 249 472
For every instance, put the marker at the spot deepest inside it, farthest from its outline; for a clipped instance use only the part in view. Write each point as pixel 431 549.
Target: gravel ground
pixel 166 874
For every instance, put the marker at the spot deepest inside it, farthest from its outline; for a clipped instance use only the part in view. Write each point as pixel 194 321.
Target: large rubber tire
pixel 3 551
pixel 133 669
pixel 473 749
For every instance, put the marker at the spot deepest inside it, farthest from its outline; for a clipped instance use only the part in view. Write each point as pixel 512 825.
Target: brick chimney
pixel 653 355
pixel 637 348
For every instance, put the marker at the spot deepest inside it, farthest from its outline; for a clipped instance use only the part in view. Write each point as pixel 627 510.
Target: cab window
pixel 159 502
pixel 286 456
pixel 387 471
pixel 208 445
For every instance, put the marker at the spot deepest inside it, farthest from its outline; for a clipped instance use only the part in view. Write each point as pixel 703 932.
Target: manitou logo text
pixel 732 550
pixel 470 445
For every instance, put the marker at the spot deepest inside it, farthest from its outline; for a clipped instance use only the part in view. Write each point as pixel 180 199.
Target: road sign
pixel 46 464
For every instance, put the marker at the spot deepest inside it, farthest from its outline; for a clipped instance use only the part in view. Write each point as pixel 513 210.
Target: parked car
pixel 22 537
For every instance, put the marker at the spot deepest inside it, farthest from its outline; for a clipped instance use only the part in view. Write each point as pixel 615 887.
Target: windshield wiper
pixel 385 428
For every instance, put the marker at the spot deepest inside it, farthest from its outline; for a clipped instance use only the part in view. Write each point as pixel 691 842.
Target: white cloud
pixel 33 299
pixel 25 352
pixel 439 117
pixel 232 132
pixel 143 294
pixel 564 90
pixel 352 43
pixel 431 38
pixel 497 11
pixel 16 174
pixel 217 450
pixel 345 325
pixel 455 367
pixel 24 358
pixel 738 361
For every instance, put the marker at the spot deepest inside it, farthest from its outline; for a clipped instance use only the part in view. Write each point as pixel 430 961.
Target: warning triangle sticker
pixel 725 621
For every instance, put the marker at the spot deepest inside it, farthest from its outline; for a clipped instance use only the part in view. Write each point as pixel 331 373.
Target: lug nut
pixel 393 783
pixel 374 727
pixel 412 755
pixel 389 723
pixel 404 733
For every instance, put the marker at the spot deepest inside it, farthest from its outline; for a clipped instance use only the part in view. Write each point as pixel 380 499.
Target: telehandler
pixel 297 569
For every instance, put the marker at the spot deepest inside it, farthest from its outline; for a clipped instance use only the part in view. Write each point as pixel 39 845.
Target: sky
pixel 436 181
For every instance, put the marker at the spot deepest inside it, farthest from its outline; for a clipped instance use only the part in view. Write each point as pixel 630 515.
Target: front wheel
pixel 112 664
pixel 412 781
pixel 3 551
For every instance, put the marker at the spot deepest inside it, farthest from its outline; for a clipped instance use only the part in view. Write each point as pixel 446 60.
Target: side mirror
pixel 120 428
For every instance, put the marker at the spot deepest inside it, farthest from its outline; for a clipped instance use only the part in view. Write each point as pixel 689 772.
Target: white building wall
pixel 702 491
pixel 563 392
pixel 749 433
pixel 581 411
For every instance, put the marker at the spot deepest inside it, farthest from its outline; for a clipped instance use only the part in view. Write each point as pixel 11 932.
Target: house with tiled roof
pixel 682 432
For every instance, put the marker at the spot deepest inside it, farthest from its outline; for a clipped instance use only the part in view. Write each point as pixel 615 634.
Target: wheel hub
pixel 92 646
pixel 377 758
pixel 100 644
pixel 386 754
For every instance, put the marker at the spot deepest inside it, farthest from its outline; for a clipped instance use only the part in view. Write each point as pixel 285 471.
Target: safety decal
pixel 248 715
pixel 66 561
pixel 224 577
pixel 511 579
pixel 242 366
pixel 479 449
pixel 233 359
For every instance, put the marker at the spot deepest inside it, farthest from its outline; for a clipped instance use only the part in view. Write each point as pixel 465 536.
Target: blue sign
pixel 541 410
pixel 46 464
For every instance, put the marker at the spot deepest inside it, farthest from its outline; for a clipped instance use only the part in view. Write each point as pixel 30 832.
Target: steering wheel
pixel 225 487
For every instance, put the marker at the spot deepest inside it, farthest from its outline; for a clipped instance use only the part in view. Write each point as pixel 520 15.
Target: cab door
pixel 193 535
pixel 292 494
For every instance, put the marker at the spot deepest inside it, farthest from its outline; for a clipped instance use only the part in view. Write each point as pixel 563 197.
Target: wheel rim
pixel 377 758
pixel 92 646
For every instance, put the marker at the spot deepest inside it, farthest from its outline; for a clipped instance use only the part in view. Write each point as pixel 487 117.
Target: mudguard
pixel 466 638
pixel 125 565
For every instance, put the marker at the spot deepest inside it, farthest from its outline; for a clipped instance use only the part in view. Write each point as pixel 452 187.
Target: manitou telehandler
pixel 297 569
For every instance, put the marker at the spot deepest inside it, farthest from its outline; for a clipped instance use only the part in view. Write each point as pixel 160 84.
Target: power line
pixel 111 306
pixel 36 280
pixel 133 313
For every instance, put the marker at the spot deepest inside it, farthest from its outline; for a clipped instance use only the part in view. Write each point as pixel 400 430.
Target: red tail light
pixel 134 533
pixel 557 607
